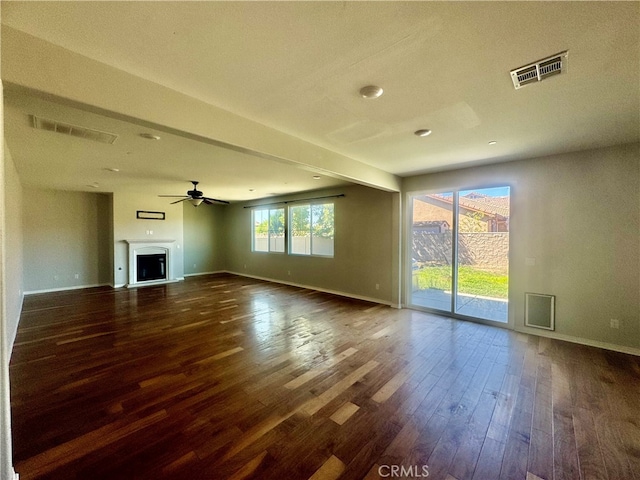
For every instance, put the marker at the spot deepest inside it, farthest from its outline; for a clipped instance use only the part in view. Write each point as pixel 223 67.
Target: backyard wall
pixel 484 250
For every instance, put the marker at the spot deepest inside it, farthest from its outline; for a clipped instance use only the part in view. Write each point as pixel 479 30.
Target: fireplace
pixel 151 267
pixel 150 262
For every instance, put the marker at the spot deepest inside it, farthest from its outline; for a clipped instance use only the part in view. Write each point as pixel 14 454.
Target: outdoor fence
pixel 299 245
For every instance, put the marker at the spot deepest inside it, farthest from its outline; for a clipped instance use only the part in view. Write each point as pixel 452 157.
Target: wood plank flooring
pixel 224 377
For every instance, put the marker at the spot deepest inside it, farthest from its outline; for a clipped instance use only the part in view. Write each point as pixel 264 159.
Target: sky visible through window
pixel 491 192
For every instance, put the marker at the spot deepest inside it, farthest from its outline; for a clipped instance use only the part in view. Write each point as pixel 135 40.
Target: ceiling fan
pixel 196 197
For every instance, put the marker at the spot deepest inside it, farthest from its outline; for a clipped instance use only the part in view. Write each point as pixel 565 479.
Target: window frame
pixel 288 230
pixel 269 211
pixel 310 206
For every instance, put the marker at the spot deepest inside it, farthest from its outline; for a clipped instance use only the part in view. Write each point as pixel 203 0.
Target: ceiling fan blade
pixel 195 194
pixel 214 200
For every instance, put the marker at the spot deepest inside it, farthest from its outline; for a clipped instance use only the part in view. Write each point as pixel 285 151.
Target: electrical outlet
pixel 56 277
pixel 615 323
pixel 77 276
pixel 377 286
pixel 288 272
pixel 245 265
pixel 194 265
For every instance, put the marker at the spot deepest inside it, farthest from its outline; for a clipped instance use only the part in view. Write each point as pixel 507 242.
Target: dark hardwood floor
pixel 226 377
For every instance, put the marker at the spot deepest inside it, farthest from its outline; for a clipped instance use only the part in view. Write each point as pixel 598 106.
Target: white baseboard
pixel 581 341
pixel 62 289
pixel 311 287
pixel 204 273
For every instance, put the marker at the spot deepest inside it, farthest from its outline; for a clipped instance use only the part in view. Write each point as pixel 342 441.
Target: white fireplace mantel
pixel 150 247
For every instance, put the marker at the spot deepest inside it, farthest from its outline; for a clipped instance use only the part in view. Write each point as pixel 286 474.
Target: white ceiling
pixel 52 160
pixel 298 66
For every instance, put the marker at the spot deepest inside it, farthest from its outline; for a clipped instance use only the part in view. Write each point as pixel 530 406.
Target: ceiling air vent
pixel 538 71
pixel 73 130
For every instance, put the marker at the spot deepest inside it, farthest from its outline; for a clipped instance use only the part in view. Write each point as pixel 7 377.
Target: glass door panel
pixel 432 251
pixel 482 246
pixel 460 263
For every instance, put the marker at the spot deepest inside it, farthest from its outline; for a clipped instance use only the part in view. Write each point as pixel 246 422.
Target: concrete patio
pixel 486 308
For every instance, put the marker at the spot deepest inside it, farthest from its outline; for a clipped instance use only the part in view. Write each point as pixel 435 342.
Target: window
pixel 268 230
pixel 311 229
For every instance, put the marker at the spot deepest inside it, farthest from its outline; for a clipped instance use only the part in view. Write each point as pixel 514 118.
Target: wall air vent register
pixel 73 130
pixel 540 70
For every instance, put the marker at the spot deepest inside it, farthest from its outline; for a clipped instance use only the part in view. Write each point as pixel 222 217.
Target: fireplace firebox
pixel 151 267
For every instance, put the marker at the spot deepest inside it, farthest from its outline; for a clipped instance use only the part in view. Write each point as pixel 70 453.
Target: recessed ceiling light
pixel 113 169
pixel 492 142
pixel 422 133
pixel 93 185
pixel 150 136
pixel 371 91
pixel 252 189
pixel 316 177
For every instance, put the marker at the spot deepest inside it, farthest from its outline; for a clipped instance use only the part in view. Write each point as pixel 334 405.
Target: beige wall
pixel 363 246
pixel 6 340
pixel 203 238
pixel 69 233
pixel 13 266
pixel 127 227
pixel 578 216
pixel 64 238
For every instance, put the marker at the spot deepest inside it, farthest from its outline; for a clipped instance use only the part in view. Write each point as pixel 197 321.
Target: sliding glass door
pixel 432 251
pixel 460 252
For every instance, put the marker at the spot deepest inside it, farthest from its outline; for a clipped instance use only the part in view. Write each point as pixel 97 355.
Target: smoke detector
pixel 540 70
